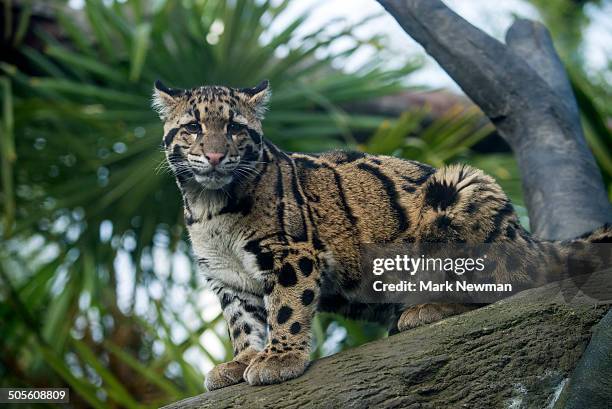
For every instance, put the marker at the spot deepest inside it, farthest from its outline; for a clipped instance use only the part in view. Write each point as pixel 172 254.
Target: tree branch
pixel 512 85
pixel 532 42
pixel 485 358
pixel 590 385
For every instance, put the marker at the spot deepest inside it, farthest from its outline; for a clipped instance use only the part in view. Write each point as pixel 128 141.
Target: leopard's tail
pixel 464 205
pixel 600 235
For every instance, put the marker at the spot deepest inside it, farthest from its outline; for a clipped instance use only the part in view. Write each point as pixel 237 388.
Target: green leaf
pixel 8 155
pixel 140 47
pixel 115 390
pixel 85 390
pixel 155 378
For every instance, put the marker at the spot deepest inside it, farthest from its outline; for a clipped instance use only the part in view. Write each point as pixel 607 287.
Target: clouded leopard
pixel 277 235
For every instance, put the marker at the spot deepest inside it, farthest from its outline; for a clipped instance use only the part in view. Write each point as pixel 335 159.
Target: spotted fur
pixel 277 235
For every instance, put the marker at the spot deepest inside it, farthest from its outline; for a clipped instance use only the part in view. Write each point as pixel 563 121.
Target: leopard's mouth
pixel 213 180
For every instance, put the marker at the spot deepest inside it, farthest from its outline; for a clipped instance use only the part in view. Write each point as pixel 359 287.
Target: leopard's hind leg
pixel 460 204
pixel 423 314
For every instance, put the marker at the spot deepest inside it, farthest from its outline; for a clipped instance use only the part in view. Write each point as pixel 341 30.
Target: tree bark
pixel 518 350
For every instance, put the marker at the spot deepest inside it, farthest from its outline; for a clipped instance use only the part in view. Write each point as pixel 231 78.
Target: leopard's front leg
pixel 245 315
pixel 291 295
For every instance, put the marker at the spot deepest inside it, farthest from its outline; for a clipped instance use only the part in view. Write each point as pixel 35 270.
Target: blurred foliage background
pixel 97 289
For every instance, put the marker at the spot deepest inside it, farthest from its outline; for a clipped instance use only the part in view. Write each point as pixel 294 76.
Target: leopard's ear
pixel 258 97
pixel 165 99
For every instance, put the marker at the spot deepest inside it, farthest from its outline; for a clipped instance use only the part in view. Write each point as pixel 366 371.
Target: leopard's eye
pixel 234 128
pixel 192 127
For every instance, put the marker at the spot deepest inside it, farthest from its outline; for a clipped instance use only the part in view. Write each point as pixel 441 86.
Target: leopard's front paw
pixel 274 367
pixel 226 374
pixel 230 373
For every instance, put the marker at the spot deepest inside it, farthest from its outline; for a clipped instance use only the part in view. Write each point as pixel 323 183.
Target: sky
pixel 494 17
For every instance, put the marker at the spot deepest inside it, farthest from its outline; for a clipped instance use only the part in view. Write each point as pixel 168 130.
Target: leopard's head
pixel 212 134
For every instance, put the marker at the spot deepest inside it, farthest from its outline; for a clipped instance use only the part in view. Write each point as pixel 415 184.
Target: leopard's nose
pixel 214 158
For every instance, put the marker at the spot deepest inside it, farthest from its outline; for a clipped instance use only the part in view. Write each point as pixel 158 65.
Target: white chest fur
pixel 219 243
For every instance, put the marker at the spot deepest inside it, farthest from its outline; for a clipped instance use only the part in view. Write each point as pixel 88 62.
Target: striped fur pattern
pixel 277 235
